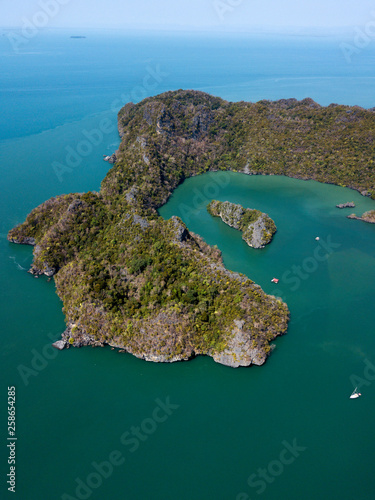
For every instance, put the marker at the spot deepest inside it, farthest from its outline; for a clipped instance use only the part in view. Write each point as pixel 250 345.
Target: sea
pixel 93 423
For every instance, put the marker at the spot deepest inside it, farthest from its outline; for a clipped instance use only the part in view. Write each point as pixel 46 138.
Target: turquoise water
pixel 75 407
pixel 302 391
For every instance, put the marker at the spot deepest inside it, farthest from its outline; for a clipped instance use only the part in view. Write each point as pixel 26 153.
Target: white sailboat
pixel 355 394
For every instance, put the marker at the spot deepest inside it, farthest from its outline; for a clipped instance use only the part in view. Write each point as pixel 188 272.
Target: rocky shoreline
pixel 368 217
pixel 131 280
pixel 21 241
pixel 348 204
pixel 257 227
pixel 110 158
pixel 241 350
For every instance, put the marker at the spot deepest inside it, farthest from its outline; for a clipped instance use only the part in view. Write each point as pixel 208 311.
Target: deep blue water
pixel 59 98
pixel 54 79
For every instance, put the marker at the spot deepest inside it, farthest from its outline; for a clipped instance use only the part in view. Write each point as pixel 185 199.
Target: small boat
pixel 355 394
pixel 317 238
pixel 275 280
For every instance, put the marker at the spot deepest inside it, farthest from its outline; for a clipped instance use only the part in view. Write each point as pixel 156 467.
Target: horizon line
pixel 192 28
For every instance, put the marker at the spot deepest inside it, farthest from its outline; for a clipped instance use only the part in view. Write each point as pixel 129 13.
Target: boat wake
pixel 19 267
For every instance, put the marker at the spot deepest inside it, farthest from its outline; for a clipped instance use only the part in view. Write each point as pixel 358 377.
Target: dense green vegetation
pixel 185 133
pixel 131 279
pixel 257 228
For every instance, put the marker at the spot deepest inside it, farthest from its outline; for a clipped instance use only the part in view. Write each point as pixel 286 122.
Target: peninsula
pixel 130 279
pixel 366 217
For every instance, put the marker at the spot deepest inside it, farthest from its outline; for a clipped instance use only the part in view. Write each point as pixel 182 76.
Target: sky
pixel 188 14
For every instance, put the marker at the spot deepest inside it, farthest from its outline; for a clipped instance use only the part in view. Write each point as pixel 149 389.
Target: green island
pixel 129 279
pixel 257 228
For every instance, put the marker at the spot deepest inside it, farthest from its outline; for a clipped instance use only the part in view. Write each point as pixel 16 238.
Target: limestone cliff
pixel 257 227
pixel 128 278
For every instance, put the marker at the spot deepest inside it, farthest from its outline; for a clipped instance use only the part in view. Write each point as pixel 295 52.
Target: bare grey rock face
pixel 242 350
pixel 60 345
pixel 111 158
pixel 366 217
pixel 131 195
pixel 348 204
pixel 257 227
pixel 23 241
pixel 181 232
pixel 256 234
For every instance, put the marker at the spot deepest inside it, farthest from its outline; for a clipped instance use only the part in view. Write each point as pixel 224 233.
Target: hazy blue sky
pixel 188 13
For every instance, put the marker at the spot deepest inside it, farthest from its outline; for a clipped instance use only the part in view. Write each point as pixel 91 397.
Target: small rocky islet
pixel 368 216
pixel 150 287
pixel 348 204
pixel 257 227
